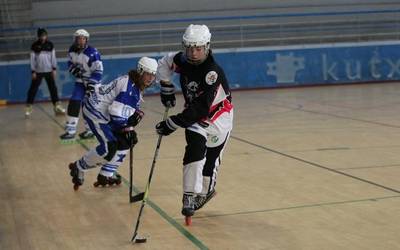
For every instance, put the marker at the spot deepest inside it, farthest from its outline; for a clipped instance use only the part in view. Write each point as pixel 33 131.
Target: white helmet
pixel 81 32
pixel 196 35
pixel 147 64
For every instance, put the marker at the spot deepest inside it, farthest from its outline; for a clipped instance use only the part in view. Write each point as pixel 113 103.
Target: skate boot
pixel 58 109
pixel 104 180
pixel 70 128
pixel 28 111
pixel 77 175
pixel 188 208
pixel 67 136
pixel 201 200
pixel 87 134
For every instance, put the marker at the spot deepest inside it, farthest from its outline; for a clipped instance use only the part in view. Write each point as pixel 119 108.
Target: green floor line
pixel 300 206
pixel 153 205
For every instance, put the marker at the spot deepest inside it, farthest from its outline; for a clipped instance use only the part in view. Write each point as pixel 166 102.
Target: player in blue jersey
pixel 110 110
pixel 86 66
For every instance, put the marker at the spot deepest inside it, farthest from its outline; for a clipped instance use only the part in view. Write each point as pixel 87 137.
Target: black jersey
pixel 205 90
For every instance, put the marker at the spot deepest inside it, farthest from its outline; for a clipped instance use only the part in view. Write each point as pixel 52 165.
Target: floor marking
pixel 314 164
pixel 305 161
pixel 297 207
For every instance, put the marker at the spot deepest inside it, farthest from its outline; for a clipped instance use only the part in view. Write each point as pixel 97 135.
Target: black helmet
pixel 41 32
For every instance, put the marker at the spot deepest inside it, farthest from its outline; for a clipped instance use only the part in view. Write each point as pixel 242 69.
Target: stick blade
pixel 136 198
pixel 138 239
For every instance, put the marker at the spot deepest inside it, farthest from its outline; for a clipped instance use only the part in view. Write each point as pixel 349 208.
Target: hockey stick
pixel 143 196
pixel 130 169
pixel 127 131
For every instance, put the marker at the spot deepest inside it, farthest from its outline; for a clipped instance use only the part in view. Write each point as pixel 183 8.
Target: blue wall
pixel 259 68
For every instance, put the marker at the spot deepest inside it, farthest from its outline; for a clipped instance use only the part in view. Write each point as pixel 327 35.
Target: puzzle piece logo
pixel 285 67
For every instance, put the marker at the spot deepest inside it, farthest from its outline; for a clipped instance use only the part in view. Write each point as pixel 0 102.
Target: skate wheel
pixel 76 187
pixel 96 184
pixel 188 220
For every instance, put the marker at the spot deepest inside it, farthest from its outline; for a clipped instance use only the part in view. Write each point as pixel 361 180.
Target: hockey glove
pixel 167 95
pixel 165 127
pixel 76 71
pixel 89 87
pixel 134 119
pixel 131 136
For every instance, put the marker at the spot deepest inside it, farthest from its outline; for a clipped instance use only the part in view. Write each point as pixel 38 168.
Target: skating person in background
pixel 111 111
pixel 43 65
pixel 207 115
pixel 86 66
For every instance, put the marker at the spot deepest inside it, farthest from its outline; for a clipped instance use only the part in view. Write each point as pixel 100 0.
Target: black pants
pixel 35 86
pixel 201 162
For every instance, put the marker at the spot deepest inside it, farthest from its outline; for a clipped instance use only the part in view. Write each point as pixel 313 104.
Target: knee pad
pixel 74 107
pixel 111 150
pixel 196 147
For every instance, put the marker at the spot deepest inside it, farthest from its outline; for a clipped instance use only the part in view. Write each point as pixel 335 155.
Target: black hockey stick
pixel 130 169
pixel 127 131
pixel 143 196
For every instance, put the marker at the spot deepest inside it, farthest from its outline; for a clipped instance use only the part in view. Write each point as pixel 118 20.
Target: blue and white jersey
pixel 88 60
pixel 113 103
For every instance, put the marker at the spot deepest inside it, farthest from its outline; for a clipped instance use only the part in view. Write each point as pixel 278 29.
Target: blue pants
pixel 111 151
pixel 79 91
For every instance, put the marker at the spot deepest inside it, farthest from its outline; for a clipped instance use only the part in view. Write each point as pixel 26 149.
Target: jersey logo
pixel 214 139
pixel 193 86
pixel 104 89
pixel 211 77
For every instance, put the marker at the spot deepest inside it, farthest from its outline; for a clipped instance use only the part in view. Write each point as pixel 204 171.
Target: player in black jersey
pixel 207 115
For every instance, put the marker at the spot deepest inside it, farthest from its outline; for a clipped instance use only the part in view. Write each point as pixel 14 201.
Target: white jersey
pixel 43 57
pixel 113 103
pixel 88 60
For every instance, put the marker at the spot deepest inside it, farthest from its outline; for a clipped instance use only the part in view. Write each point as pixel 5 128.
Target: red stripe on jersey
pixel 226 106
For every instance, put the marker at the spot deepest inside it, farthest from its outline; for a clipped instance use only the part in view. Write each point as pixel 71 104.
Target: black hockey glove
pixel 167 95
pixel 134 119
pixel 165 127
pixel 76 71
pixel 129 135
pixel 89 87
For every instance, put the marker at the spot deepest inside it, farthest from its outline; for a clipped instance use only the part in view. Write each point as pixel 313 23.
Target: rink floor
pixel 305 168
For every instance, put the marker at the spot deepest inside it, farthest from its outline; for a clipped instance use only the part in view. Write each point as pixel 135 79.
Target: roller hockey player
pixel 207 115
pixel 86 66
pixel 111 111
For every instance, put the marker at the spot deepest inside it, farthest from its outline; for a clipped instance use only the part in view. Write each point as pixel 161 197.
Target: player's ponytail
pixel 134 76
